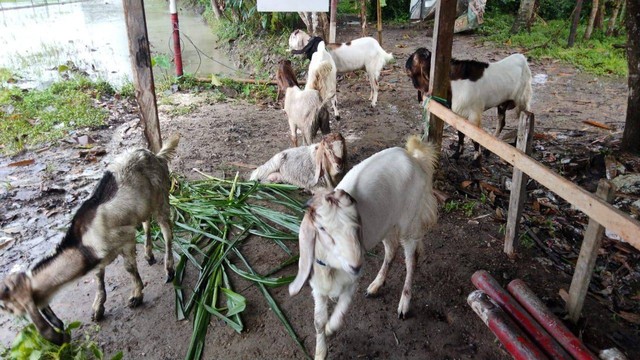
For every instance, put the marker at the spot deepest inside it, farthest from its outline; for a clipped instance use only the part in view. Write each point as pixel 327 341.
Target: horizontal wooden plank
pixel 605 214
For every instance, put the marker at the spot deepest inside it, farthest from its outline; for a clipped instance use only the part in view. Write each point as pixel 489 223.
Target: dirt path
pixel 227 137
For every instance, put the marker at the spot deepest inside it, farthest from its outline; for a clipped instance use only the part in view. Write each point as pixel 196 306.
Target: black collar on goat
pixel 310 48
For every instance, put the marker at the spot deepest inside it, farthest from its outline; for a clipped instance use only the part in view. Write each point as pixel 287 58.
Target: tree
pixel 592 19
pixel 631 135
pixel 574 23
pixel 525 14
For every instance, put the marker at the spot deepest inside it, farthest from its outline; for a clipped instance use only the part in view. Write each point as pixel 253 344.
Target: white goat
pixel 478 86
pixel 322 76
pixel 315 166
pixel 304 108
pixel 389 198
pixel 362 53
pixel 134 187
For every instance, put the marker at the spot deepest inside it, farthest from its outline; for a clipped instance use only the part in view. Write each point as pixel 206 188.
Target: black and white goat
pixel 311 167
pixel 389 198
pixel 478 86
pixel 304 108
pixel 362 53
pixel 134 187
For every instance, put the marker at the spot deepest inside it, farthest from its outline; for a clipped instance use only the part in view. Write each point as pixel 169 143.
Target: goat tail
pixel 169 148
pixel 388 57
pixel 425 154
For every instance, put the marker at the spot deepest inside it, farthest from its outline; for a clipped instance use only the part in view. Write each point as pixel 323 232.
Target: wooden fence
pixel 602 215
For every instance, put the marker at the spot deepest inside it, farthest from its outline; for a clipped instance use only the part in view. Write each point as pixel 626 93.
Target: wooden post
pixel 440 84
pixel 588 254
pixel 518 184
pixel 141 67
pixel 332 21
pixel 379 9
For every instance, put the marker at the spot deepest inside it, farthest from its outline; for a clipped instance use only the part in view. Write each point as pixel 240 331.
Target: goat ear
pixel 319 164
pixel 307 239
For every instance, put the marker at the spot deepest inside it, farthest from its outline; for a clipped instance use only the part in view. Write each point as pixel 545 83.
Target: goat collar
pixel 320 262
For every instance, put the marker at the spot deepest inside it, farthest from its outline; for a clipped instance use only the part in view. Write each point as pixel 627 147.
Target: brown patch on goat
pixel 104 191
pixel 285 76
pixel 467 70
pixel 335 46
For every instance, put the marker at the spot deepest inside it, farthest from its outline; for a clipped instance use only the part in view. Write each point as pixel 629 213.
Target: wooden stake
pixel 141 67
pixel 379 8
pixel 518 184
pixel 440 84
pixel 588 254
pixel 332 21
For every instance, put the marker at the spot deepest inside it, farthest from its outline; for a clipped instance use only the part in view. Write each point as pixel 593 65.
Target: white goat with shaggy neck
pixel 322 76
pixel 389 198
pixel 315 166
pixel 134 187
pixel 362 53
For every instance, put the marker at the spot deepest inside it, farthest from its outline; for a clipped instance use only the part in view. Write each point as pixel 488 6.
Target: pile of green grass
pixel 31 117
pixel 549 40
pixel 213 217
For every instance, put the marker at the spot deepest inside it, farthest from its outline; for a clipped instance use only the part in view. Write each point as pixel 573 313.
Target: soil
pixel 229 136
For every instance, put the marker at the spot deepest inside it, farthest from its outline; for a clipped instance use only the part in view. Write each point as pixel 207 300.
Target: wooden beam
pixel 440 84
pixel 379 12
pixel 518 184
pixel 332 21
pixel 140 56
pixel 588 254
pixel 602 212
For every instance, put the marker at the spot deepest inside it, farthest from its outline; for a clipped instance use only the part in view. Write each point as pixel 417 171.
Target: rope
pixel 426 115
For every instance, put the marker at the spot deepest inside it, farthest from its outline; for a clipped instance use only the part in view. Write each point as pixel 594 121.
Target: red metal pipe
pixel 177 52
pixel 548 320
pixel 483 281
pixel 510 335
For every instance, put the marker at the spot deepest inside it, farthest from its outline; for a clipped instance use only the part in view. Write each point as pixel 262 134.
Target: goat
pixel 304 108
pixel 323 80
pixel 389 198
pixel 285 77
pixel 315 166
pixel 362 53
pixel 298 39
pixel 133 188
pixel 478 86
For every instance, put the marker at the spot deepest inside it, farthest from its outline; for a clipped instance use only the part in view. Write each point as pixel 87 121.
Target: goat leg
pixel 390 248
pixel 51 317
pixel 101 296
pixel 44 327
pixel 320 319
pixel 477 156
pixel 459 147
pixel 130 265
pixel 165 227
pixel 410 254
pixel 148 251
pixel 337 317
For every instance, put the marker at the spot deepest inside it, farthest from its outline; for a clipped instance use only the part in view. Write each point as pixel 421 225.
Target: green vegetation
pixel 29 344
pixel 349 7
pixel 29 118
pixel 213 217
pixel 396 11
pixel 549 40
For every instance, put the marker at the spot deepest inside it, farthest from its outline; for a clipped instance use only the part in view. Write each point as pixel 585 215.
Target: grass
pixel 212 218
pixel 30 118
pixel 548 40
pixel 29 344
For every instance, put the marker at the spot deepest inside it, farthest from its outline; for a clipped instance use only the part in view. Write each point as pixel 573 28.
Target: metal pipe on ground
pixel 515 341
pixel 485 282
pixel 528 299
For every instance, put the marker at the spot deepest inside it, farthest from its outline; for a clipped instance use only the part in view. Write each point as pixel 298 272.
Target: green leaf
pixel 118 356
pixel 215 81
pixel 236 303
pixel 73 325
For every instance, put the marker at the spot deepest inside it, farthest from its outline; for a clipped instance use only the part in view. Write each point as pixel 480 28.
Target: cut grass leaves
pixel 211 218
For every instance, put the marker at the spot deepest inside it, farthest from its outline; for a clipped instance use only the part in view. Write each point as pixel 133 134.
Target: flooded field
pixel 37 38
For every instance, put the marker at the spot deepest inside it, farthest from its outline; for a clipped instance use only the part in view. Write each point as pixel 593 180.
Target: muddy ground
pixel 222 138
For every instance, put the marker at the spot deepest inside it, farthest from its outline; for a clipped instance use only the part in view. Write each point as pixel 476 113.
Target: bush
pixel 396 10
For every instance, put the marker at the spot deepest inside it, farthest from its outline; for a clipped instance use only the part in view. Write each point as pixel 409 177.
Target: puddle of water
pixel 92 35
pixel 540 79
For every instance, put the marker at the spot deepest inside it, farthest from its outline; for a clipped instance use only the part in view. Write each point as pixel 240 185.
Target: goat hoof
pixel 402 315
pixel 476 163
pixel 97 315
pixel 135 301
pixel 338 118
pixel 170 275
pixel 370 295
pixel 151 260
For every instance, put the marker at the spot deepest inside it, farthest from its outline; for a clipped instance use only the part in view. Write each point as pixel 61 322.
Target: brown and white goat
pixel 285 77
pixel 133 188
pixel 389 198
pixel 304 108
pixel 315 166
pixel 477 86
